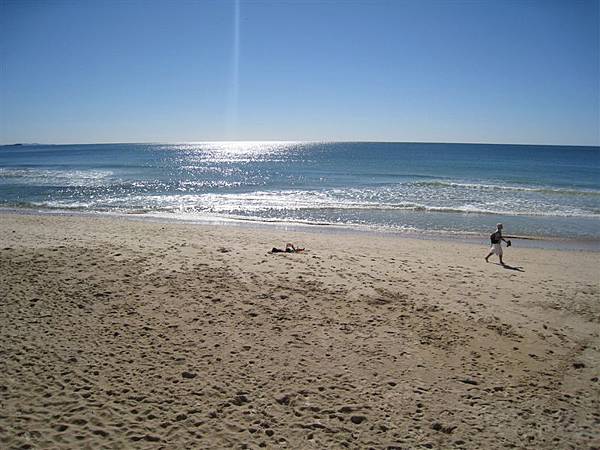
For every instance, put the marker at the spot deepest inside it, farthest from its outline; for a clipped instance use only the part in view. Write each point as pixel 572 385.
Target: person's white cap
pixel 499 225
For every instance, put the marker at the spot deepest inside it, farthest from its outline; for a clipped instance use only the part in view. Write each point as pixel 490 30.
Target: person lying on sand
pixel 289 248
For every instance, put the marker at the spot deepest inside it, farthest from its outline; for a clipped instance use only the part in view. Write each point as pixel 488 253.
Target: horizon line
pixel 322 141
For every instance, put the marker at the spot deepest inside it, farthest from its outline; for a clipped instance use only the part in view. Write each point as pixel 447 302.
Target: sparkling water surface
pixel 543 191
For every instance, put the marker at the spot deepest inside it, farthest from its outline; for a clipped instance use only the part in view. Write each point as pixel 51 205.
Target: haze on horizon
pixel 418 71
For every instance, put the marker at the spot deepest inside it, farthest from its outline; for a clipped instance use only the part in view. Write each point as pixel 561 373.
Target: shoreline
pixel 540 242
pixel 130 333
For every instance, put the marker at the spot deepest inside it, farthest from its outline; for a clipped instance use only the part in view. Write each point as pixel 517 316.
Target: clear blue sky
pixel 170 71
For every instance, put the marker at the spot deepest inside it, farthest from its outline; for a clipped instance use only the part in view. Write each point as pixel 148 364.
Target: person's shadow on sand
pixel 506 266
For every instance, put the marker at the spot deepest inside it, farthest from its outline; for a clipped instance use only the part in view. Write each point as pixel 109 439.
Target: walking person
pixel 496 248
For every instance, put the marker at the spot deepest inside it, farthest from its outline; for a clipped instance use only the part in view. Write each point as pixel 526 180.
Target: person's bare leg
pixel 489 254
pixel 501 262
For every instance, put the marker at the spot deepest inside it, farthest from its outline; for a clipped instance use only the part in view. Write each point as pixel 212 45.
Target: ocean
pixel 434 189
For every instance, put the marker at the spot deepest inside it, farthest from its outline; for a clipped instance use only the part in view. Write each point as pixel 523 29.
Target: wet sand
pixel 128 334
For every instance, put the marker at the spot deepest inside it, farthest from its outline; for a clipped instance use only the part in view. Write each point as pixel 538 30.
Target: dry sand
pixel 127 334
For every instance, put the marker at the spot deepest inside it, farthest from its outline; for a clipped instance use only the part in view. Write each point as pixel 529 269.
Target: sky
pixel 82 71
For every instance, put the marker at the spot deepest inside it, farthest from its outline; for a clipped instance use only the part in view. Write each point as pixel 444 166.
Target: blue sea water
pixel 463 189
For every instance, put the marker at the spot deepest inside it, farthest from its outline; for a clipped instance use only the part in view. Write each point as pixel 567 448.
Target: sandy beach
pixel 135 334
